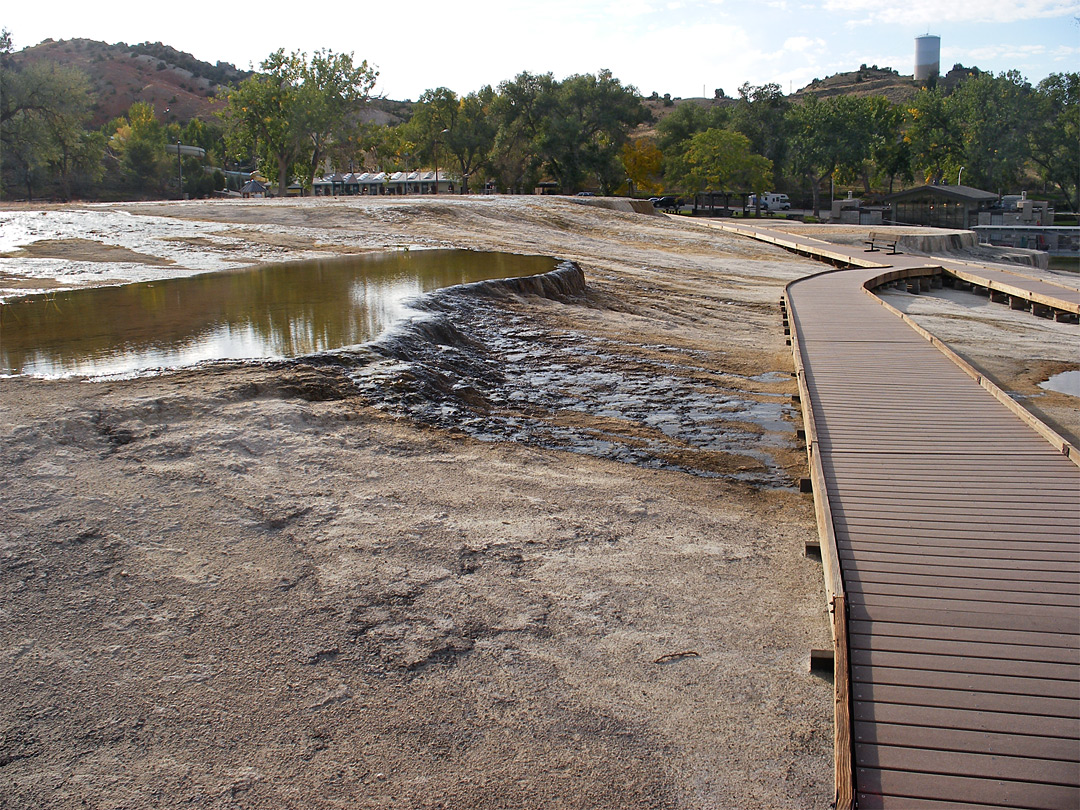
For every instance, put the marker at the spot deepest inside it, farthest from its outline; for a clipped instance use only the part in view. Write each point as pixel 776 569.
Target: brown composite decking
pixel 956 532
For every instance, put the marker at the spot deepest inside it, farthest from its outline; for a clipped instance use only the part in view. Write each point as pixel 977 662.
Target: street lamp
pixel 179 171
pixel 437 159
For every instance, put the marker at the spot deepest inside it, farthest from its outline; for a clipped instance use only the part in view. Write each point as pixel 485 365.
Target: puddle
pixel 1067 382
pixel 278 311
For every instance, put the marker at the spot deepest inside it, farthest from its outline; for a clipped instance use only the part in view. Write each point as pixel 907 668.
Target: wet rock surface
pixel 497 372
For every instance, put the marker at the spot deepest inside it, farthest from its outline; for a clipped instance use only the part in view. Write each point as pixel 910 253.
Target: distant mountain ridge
pixel 181 87
pixel 178 85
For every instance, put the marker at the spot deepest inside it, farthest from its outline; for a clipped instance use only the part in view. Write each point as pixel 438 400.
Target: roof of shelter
pixel 964 193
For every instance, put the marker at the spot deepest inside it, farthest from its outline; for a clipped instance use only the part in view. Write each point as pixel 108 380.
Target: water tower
pixel 927 57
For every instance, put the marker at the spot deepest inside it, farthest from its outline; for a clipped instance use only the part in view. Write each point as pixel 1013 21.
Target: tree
pixel 521 110
pixel 688 119
pixel 1055 133
pixel 573 130
pixel 332 92
pixel 829 135
pixel 934 136
pixel 983 127
pixel 761 114
pixel 643 163
pixel 471 133
pixel 721 160
pixel 586 127
pixel 890 152
pixel 290 114
pixel 994 116
pixel 262 112
pixel 463 127
pixel 138 144
pixel 43 111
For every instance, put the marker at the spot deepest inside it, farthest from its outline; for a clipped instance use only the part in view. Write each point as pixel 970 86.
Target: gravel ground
pixel 280 585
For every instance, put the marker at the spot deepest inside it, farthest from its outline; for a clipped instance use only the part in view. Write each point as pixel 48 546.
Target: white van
pixel 770 202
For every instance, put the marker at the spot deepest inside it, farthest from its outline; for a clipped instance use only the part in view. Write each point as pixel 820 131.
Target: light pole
pixel 179 171
pixel 437 159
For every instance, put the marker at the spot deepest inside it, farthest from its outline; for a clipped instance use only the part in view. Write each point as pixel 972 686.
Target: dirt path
pixel 262 586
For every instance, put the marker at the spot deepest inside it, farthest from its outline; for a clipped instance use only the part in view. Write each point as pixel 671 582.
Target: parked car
pixel 769 202
pixel 666 202
pixel 585 194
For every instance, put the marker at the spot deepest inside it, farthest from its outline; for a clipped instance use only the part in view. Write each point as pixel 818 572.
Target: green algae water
pixel 276 311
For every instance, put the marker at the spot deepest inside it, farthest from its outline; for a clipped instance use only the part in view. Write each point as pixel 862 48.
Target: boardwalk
pixel 954 531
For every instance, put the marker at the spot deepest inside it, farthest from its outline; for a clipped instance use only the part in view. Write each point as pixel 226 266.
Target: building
pixel 380 183
pixel 927 57
pixel 956 207
pixel 253 188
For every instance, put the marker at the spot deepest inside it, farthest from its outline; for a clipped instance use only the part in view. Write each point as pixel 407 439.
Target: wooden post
pixel 842 742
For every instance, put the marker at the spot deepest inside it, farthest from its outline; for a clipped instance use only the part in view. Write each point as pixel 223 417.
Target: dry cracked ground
pixel 560 565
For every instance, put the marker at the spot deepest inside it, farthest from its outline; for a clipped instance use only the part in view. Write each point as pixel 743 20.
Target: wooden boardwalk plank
pixel 907 785
pixel 957 530
pixel 978 742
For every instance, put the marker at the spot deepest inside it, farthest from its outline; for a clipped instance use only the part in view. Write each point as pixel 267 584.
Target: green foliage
pixel 290 115
pixel 984 126
pixel 687 120
pixel 571 130
pixel 262 116
pixel 994 114
pixel 43 111
pixel 761 114
pixel 643 163
pixel 1055 133
pixel 828 136
pixel 137 143
pixel 461 129
pixel 721 160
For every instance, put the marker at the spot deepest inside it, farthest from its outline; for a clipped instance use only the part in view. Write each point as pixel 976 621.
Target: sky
pixel 683 47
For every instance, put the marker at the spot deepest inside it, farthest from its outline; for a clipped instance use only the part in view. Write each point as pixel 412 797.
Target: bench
pixel 874 248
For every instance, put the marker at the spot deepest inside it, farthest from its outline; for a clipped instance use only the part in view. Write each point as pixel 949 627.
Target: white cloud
pixel 801 44
pixel 931 12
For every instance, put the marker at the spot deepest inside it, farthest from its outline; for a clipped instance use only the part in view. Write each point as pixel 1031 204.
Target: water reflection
pixel 287 310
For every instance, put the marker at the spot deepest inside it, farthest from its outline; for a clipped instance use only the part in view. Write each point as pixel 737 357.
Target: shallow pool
pixel 276 311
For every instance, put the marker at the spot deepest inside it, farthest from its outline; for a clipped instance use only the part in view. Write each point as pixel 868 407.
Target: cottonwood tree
pixel 289 114
pixel 331 95
pixel 933 134
pixel 761 114
pixel 828 136
pixel 1055 133
pixel 589 123
pixel 43 111
pixel 137 143
pixel 262 112
pixel 994 116
pixel 720 160
pixel 521 110
pixel 463 128
pixel 573 130
pixel 644 163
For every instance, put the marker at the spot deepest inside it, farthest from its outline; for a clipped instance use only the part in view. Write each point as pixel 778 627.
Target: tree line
pixel 300 113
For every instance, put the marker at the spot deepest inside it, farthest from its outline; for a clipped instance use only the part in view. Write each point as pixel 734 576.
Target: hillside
pixel 866 81
pixel 179 86
pixel 179 89
pixel 875 81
